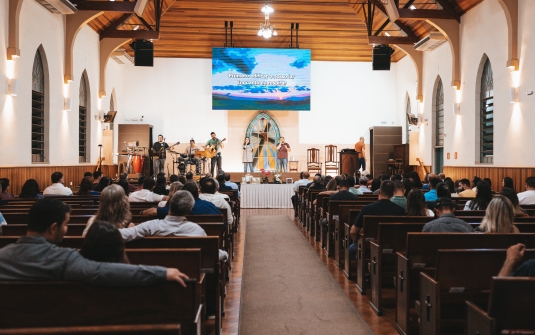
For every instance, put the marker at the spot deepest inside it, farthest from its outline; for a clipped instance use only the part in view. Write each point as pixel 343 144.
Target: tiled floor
pixel 382 325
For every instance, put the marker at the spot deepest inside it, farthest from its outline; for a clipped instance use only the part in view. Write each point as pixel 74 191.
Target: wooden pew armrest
pixel 478 321
pixel 429 304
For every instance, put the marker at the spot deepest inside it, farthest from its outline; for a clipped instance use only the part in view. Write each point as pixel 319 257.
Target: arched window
pixel 486 125
pixel 439 115
pixel 38 110
pixel 112 104
pixel 83 133
pixel 438 119
pixel 264 135
pixel 408 112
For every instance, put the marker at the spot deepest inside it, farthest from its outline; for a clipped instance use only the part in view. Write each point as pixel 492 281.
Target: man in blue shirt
pixel 515 254
pixel 431 196
pixel 201 206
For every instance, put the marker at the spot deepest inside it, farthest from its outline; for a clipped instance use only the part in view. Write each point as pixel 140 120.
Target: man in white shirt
pixel 303 181
pixel 528 197
pixel 57 187
pixel 146 194
pixel 208 193
pixel 174 224
pixel 363 182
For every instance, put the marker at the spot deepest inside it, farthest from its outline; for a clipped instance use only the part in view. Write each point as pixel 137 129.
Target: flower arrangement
pixel 265 174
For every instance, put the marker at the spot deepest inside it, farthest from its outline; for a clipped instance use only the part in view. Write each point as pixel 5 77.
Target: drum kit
pixel 197 164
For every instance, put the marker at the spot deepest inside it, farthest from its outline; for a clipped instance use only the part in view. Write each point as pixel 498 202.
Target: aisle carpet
pixel 286 289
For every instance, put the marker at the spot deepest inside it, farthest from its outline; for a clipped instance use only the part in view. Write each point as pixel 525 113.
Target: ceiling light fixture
pixel 266 29
pixel 136 27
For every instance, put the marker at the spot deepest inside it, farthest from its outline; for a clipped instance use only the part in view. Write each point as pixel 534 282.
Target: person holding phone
pixel 282 155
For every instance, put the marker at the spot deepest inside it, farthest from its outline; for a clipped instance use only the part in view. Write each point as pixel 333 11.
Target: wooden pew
pixel 334 209
pixel 343 218
pixel 460 275
pixel 158 329
pixel 510 308
pixel 370 232
pixel 349 263
pixel 22 218
pixel 20 229
pixel 420 256
pixel 315 226
pixel 309 214
pixel 301 202
pixel 209 246
pixel 52 304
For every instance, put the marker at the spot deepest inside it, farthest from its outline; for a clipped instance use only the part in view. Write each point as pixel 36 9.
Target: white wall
pixel 175 97
pixel 15 112
pixel 483 31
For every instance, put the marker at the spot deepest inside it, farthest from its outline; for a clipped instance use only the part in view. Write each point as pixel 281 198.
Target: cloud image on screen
pixel 260 79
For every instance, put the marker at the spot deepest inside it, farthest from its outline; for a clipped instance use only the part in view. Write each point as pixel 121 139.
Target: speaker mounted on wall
pixel 381 57
pixel 143 52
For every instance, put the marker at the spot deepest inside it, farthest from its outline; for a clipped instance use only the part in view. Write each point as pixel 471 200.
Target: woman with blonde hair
pixel 499 217
pixel 114 208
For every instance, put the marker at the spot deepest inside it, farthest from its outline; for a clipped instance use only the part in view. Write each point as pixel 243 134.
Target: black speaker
pixel 381 57
pixel 143 53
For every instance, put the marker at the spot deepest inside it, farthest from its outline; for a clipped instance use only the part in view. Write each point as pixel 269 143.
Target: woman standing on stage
pixel 247 157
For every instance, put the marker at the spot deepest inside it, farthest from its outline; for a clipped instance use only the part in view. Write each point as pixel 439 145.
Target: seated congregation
pixel 112 234
pixel 398 239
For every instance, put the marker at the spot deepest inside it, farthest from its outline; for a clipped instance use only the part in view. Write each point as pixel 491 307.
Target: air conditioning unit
pixel 59 6
pixel 122 57
pixel 430 42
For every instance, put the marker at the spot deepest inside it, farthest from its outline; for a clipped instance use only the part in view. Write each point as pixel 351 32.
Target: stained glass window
pixel 264 135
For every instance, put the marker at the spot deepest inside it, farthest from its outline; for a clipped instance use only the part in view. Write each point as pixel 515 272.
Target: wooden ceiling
pixel 335 30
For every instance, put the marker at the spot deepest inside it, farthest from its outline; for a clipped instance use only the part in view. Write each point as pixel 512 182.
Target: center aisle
pixel 286 289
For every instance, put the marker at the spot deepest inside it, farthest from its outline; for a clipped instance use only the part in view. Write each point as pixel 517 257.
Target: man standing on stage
pixel 158 154
pixel 191 159
pixel 360 148
pixel 282 155
pixel 217 144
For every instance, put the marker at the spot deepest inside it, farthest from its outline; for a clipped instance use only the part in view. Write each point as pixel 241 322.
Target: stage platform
pixel 237 176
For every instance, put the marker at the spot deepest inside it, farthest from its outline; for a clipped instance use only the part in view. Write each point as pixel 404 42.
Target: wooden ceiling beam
pixel 115 25
pixel 449 8
pixel 134 34
pixel 391 40
pixel 402 26
pixel 106 6
pixel 424 14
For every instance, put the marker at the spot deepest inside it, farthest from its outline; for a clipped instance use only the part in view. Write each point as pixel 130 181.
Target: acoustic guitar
pixel 211 150
pixel 99 163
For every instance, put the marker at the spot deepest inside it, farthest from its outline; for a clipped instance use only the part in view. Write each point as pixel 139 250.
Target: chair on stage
pixel 331 162
pixel 313 160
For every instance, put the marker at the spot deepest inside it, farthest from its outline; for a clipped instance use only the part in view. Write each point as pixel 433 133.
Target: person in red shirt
pixel 282 155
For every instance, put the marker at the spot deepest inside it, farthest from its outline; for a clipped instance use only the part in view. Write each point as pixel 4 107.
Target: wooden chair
pixel 331 162
pixel 313 160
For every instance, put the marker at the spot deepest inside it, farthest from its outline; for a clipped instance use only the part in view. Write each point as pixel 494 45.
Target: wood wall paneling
pixel 496 174
pixel 18 175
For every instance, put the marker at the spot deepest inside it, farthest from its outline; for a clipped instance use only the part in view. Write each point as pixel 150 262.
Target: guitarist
pixel 217 144
pixel 158 154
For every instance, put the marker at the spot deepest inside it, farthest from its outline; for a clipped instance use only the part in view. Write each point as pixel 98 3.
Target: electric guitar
pixel 211 150
pixel 156 154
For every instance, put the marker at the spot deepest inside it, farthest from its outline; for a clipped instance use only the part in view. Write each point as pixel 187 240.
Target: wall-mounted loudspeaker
pixel 143 53
pixel 381 57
